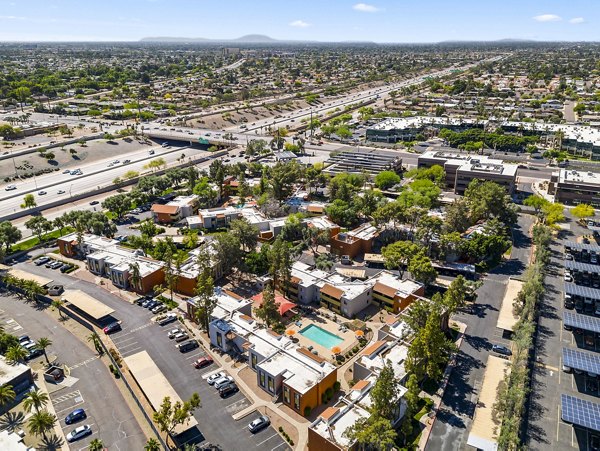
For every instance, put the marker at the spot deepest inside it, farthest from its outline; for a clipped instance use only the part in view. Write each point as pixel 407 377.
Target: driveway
pixel 90 386
pixel 451 428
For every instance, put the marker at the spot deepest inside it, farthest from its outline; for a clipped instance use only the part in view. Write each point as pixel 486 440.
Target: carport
pixel 580 360
pixel 87 304
pixel 580 412
pixel 506 318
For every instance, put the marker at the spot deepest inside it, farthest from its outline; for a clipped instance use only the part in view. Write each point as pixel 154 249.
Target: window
pixel 219 340
pixel 296 401
pixel 271 383
pixel 286 394
pixel 253 362
pixel 262 378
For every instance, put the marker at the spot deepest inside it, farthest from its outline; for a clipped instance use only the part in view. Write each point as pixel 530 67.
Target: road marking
pixel 278 446
pixel 63 398
pixel 71 407
pixel 134 343
pixel 266 440
pixel 118 342
pixel 195 356
pixel 130 351
pixel 85 362
pixel 558 421
pixel 210 373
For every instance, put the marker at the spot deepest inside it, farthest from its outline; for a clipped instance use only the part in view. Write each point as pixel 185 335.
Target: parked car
pixel 159 308
pixel 112 327
pixel 181 336
pixel 56 265
pixel 78 433
pixel 223 382
pixel 168 319
pixel 40 261
pixel 152 304
pixel 258 424
pixel 211 379
pixel 24 339
pixel 65 267
pixel 76 415
pixel 227 390
pixel 203 361
pixel 174 332
pixel 187 346
pixel 33 353
pixel 503 350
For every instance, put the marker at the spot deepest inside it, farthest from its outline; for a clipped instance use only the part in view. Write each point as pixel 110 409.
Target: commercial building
pixel 461 169
pixel 355 242
pixel 175 210
pixel 396 129
pixel 126 268
pixel 575 187
pixel 363 161
pixel 18 376
pixel 282 367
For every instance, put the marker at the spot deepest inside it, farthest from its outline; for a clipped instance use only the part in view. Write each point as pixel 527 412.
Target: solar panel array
pixel 581 360
pixel 579 266
pixel 579 290
pixel 580 412
pixel 584 322
pixel 582 246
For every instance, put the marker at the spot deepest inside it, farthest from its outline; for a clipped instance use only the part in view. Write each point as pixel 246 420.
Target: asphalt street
pixel 451 428
pixel 94 387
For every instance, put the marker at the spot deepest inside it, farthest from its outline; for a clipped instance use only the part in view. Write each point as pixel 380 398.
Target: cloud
pixel 13 18
pixel 547 18
pixel 365 8
pixel 577 20
pixel 299 24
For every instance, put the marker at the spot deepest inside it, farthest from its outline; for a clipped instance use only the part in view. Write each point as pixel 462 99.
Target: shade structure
pixel 290 332
pixel 359 333
pixel 283 305
pixel 336 350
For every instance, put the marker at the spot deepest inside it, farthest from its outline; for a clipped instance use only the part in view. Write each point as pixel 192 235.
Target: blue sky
pixel 322 20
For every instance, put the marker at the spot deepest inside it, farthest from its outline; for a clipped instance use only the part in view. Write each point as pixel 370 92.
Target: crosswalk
pixel 73 395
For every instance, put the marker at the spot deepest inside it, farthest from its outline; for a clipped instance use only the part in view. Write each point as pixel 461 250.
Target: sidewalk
pixel 257 402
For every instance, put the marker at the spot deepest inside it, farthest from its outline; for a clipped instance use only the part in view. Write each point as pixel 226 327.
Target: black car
pixel 152 304
pixel 94 202
pixel 112 327
pixel 33 353
pixel 227 390
pixel 503 350
pixel 187 346
pixel 65 267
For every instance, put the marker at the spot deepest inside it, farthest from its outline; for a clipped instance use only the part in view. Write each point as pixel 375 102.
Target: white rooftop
pixel 587 177
pixel 182 201
pixel 9 372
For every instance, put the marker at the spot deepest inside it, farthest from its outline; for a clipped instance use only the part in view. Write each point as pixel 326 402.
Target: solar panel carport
pixel 582 267
pixel 572 289
pixel 580 412
pixel 581 360
pixel 583 322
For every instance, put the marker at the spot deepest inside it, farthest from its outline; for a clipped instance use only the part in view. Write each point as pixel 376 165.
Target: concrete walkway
pixel 257 402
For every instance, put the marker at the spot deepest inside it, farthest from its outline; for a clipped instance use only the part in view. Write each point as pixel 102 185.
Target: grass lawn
pixel 34 241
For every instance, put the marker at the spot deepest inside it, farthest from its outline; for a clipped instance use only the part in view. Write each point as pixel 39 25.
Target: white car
pixel 211 379
pixel 174 332
pixel 222 382
pixel 10 187
pixel 79 432
pixel 181 336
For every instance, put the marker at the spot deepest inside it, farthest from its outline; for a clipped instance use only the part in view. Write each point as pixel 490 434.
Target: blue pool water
pixel 321 336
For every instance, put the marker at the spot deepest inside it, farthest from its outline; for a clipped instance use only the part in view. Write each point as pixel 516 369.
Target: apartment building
pixel 175 210
pixel 126 268
pixel 395 294
pixel 187 277
pixel 574 187
pixel 282 367
pixel 227 303
pixel 461 169
pixel 214 218
pixel 347 298
pixel 355 242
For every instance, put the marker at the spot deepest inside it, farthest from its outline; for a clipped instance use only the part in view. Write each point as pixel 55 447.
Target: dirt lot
pixel 93 151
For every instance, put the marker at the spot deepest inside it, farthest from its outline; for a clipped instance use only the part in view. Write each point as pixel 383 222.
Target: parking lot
pixel 216 424
pixel 90 386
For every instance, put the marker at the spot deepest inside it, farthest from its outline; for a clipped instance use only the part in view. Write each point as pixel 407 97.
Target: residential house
pixel 175 210
pixel 214 218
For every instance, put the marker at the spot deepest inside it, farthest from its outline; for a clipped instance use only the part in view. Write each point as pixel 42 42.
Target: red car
pixel 203 361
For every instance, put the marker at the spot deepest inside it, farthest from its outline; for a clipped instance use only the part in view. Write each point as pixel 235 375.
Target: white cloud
pixel 577 20
pixel 365 8
pixel 13 18
pixel 299 24
pixel 547 18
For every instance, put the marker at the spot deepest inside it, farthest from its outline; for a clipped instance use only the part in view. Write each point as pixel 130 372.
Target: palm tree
pixel 15 354
pixel 96 445
pixel 135 276
pixel 42 344
pixel 58 304
pixel 41 422
pixel 7 394
pixel 95 339
pixel 152 445
pixel 35 399
pixel 33 290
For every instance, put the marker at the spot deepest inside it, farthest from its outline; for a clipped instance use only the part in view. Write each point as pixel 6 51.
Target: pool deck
pixel 348 337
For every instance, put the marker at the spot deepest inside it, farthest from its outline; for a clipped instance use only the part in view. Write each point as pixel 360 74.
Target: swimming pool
pixel 321 336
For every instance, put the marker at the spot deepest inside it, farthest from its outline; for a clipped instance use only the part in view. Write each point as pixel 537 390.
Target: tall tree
pixel 35 400
pixel 373 432
pixel 7 395
pixel 41 423
pixel 457 216
pixel 9 235
pixel 268 310
pixel 39 226
pixel 205 292
pixel 385 393
pixel 28 202
pixel 246 233
pixel 170 415
pixel 44 343
pixel 118 204
pixel 15 354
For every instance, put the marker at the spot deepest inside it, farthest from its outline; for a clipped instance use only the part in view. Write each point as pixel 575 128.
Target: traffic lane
pixel 113 420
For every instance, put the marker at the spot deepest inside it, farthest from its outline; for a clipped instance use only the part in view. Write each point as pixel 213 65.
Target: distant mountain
pixel 256 38
pixel 249 38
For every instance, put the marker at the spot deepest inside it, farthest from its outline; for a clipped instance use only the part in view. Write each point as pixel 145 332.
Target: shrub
pixel 355 349
pixel 280 429
pixel 329 392
pixel 307 411
pixel 291 442
pixel 323 398
pixel 336 385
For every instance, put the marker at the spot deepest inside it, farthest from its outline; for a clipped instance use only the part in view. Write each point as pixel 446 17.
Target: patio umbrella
pixel 359 333
pixel 290 332
pixel 336 350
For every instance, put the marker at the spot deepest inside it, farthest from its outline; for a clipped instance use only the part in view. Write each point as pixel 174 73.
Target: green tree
pixel 488 200
pixel 372 432
pixel 28 202
pixel 96 445
pixel 280 263
pixel 457 216
pixel 536 202
pixel 58 304
pixel 553 213
pixel 135 276
pixel 118 204
pixel 39 226
pixel 95 340
pixel 385 393
pixel 170 415
pixel 35 400
pixel 399 254
pixel 9 235
pixel 422 270
pixel 15 354
pixel 7 395
pixel 268 310
pixel 386 179
pixel 580 211
pixel 228 251
pixel 152 445
pixel 283 177
pixel 40 423
pixel 205 292
pixel 22 93
pixel 44 343
pixel 246 233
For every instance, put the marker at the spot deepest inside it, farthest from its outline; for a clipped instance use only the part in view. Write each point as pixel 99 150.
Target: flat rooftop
pixel 573 176
pixel 9 372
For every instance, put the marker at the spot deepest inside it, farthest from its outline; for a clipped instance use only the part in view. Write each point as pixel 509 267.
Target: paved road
pixel 94 389
pixel 451 428
pixel 545 430
pixel 216 424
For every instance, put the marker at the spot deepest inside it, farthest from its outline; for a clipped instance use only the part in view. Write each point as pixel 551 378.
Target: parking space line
pixel 72 407
pixel 118 342
pixel 130 351
pixel 266 440
pixel 134 343
pixel 195 356
pixel 210 373
pixel 278 446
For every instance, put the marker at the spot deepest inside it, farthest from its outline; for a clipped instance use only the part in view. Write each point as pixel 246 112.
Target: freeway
pixel 99 174
pixel 367 95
